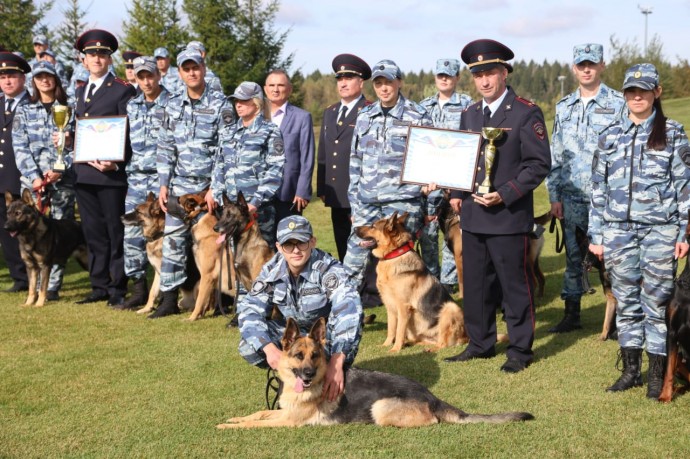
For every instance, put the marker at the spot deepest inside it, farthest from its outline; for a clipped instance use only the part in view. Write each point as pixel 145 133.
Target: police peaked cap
pixel 129 56
pixel 349 64
pixel 95 40
pixel 484 54
pixel 11 63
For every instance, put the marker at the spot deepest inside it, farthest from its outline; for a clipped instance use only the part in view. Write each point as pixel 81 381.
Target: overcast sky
pixel 414 33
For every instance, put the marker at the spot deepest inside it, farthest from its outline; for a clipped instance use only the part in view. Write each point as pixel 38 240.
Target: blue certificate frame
pixel 100 138
pixel 443 156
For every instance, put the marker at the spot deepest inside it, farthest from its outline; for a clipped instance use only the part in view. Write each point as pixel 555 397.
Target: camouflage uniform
pixel 35 154
pixel 251 161
pixel 447 117
pixel 375 190
pixel 187 148
pixel 212 80
pixel 576 131
pixel 172 81
pixel 145 121
pixel 639 209
pixel 321 290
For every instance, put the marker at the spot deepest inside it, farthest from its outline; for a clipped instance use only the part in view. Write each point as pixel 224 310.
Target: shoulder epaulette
pixel 332 106
pixel 121 81
pixel 529 103
pixel 367 102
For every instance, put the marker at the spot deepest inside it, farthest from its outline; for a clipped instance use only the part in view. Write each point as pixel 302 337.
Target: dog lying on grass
pixel 370 397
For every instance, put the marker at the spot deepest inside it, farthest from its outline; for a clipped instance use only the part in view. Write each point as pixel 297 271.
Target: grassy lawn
pixel 86 381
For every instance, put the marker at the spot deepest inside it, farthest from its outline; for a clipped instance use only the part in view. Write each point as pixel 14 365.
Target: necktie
pixel 90 94
pixel 9 105
pixel 487 115
pixel 343 112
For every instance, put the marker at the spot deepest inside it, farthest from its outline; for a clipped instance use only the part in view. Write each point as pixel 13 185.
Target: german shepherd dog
pixel 678 334
pixel 589 261
pixel 251 249
pixel 449 223
pixel 419 308
pixel 151 218
pixel 370 397
pixel 43 242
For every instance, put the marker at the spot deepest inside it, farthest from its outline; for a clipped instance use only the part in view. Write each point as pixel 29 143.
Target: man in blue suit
pixel 298 135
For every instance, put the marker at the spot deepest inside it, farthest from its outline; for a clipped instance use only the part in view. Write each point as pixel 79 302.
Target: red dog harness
pixel 409 245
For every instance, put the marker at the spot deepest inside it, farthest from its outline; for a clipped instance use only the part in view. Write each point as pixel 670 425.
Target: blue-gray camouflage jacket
pixel 189 140
pixel 633 184
pixel 576 131
pixel 250 160
pixel 376 158
pixel 323 290
pixel 144 127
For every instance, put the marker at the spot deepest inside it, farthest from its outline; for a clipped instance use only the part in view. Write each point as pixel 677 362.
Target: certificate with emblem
pixel 100 138
pixel 442 156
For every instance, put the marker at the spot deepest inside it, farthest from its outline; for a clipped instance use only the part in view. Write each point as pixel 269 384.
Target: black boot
pixel 655 375
pixel 571 319
pixel 168 305
pixel 139 296
pixel 632 376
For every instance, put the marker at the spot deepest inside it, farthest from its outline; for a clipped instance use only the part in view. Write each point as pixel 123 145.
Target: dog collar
pixel 251 222
pixel 409 245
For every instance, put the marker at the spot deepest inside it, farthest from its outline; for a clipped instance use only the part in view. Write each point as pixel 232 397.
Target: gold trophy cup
pixel 61 116
pixel 491 134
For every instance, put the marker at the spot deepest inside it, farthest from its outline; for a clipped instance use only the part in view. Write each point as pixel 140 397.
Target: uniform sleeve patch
pixel 684 153
pixel 330 282
pixel 540 130
pixel 258 287
pixel 279 147
pixel 228 116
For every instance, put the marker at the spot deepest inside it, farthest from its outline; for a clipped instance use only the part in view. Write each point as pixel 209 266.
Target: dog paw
pixel 226 426
pixel 395 349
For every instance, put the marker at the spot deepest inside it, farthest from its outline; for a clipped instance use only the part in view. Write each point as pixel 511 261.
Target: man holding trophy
pixel 497 218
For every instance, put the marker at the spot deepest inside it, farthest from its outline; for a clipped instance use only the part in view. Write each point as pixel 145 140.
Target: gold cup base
pixel 59 167
pixel 483 189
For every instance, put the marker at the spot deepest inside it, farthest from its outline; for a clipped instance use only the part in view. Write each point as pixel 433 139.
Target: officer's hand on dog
pixel 273 355
pixel 210 202
pixel 597 250
pixel 488 199
pixel 334 382
pixel 456 204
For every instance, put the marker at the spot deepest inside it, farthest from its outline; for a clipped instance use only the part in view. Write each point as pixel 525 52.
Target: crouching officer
pixel 304 283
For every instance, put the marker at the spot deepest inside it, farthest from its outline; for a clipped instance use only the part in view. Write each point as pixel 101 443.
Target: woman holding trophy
pixel 38 152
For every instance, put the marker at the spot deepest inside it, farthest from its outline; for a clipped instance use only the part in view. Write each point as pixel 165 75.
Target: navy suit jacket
pixel 298 136
pixel 110 100
pixel 9 173
pixel 522 162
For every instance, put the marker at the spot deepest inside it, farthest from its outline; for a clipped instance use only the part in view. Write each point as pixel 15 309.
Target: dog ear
pixel 390 224
pixel 403 218
pixel 27 198
pixel 241 201
pixel 318 331
pixel 150 197
pixel 8 198
pixel 291 334
pixel 226 201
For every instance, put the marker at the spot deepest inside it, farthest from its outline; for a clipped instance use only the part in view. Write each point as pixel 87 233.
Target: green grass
pixel 86 381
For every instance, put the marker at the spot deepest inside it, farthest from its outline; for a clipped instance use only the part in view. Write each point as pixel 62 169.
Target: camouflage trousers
pixel 177 237
pixel 62 200
pixel 357 257
pixel 139 184
pixel 276 328
pixel 428 243
pixel 575 214
pixel 640 261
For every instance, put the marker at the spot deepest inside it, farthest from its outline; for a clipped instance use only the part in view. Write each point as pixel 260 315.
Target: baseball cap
pixel 294 227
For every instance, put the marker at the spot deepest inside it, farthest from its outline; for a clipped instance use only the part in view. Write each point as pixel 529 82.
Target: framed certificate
pixel 442 156
pixel 100 138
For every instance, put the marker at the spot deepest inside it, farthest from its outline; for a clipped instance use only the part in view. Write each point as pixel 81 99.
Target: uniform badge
pixel 480 58
pixel 587 49
pixel 637 74
pixel 292 225
pixel 684 154
pixel 330 282
pixel 342 67
pixel 279 147
pixel 228 116
pixel 258 287
pixel 539 129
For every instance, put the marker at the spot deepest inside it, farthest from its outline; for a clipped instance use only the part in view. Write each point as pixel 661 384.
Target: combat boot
pixel 571 319
pixel 139 296
pixel 655 375
pixel 632 376
pixel 168 305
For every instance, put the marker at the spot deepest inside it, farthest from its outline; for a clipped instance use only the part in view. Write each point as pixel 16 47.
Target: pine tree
pixel 152 24
pixel 20 19
pixel 70 29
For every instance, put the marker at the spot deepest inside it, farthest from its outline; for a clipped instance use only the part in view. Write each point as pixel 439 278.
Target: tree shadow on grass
pixel 420 366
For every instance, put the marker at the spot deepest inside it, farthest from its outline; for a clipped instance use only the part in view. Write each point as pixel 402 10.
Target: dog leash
pixel 274 383
pixel 42 197
pixel 559 243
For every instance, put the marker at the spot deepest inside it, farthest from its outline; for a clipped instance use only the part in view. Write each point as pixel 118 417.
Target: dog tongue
pixel 220 239
pixel 299 385
pixel 13 233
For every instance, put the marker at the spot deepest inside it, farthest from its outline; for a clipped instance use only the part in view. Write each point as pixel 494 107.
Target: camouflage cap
pixel 294 227
pixel 449 67
pixel 40 39
pixel 591 52
pixel 196 45
pixel 642 76
pixel 189 54
pixel 49 52
pixel 161 52
pixel 247 90
pixel 43 67
pixel 146 63
pixel 387 69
